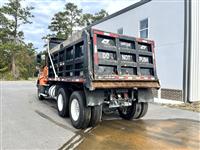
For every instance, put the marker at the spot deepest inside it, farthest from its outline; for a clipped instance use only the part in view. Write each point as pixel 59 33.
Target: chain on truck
pixel 95 71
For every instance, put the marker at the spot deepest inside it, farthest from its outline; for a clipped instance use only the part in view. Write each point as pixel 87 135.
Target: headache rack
pixel 105 60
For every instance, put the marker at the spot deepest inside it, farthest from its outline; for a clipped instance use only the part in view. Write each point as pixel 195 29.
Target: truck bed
pixel 102 59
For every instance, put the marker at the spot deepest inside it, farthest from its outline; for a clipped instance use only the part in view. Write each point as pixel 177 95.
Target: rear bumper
pixel 125 84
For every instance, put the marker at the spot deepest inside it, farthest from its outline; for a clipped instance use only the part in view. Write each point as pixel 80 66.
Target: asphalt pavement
pixel 27 123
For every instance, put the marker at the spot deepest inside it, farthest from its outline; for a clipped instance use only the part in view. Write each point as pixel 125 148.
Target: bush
pixel 7 76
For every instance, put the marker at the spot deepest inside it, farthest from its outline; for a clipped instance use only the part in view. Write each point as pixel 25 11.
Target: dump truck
pixel 95 69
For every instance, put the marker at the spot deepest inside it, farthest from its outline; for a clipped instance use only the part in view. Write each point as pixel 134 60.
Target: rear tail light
pixel 126 95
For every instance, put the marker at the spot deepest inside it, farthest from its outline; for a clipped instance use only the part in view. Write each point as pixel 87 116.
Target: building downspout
pixel 187 51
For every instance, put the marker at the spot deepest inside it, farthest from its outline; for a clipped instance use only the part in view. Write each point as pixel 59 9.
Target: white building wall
pixel 166 28
pixel 195 52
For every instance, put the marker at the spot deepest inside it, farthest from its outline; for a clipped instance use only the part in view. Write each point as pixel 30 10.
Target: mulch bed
pixel 195 106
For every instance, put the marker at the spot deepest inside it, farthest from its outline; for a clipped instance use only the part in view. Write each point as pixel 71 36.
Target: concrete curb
pixel 166 101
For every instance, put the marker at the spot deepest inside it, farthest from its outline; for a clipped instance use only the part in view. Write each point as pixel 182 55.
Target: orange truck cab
pixel 42 83
pixel 43 76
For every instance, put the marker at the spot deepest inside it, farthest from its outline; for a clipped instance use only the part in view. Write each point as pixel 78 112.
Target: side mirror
pixel 38 58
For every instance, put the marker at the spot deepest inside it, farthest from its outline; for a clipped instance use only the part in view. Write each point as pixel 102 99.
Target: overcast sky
pixel 45 9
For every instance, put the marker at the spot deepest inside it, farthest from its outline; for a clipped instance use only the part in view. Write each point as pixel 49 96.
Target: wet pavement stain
pixel 176 134
pixel 79 136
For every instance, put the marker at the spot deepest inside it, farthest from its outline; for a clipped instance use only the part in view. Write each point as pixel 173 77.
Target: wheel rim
pixel 60 102
pixel 75 110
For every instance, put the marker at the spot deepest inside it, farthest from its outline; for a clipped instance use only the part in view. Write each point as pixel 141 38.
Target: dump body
pixel 101 60
pixel 95 71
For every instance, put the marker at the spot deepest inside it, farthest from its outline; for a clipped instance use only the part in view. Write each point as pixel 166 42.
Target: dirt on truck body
pixel 96 70
pixel 125 84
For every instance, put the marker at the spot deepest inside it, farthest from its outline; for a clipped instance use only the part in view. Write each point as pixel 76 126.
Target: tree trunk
pixel 13 67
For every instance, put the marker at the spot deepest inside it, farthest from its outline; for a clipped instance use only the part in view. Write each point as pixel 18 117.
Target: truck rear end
pixel 122 62
pixel 99 71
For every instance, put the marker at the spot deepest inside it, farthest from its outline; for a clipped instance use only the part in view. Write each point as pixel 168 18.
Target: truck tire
pixel 144 110
pixel 79 113
pixel 131 112
pixel 63 102
pixel 96 114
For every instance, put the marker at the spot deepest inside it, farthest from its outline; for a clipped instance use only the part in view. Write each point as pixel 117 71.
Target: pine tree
pixel 88 18
pixel 14 16
pixel 64 23
pixel 99 15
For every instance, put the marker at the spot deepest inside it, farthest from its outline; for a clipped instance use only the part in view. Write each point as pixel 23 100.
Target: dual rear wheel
pixel 81 116
pixel 135 111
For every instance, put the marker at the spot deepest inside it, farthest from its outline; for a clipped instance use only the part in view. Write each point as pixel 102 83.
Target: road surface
pixel 27 123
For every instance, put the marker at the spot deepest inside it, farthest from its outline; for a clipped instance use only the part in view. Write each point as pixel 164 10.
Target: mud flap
pixel 145 95
pixel 94 98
